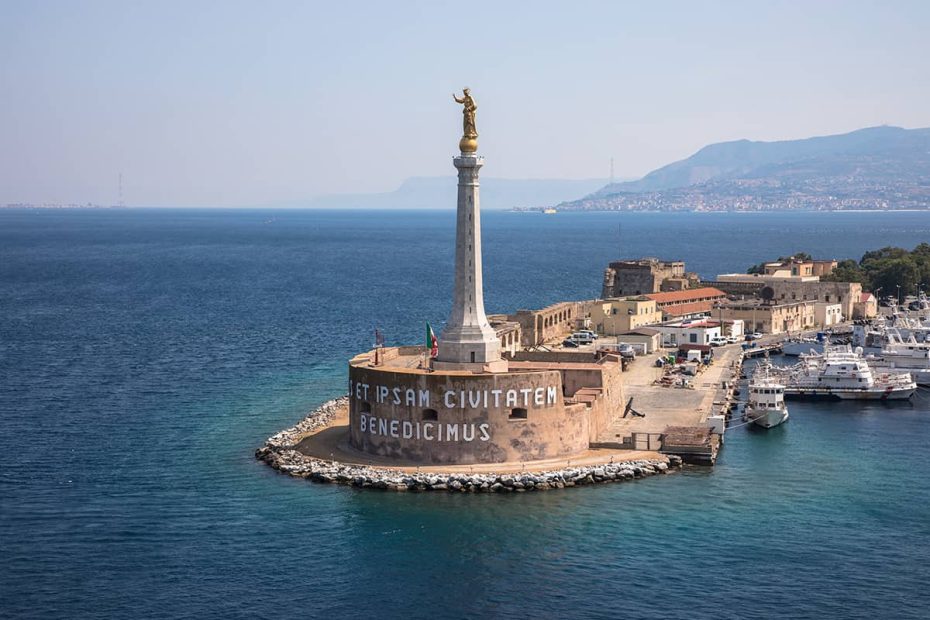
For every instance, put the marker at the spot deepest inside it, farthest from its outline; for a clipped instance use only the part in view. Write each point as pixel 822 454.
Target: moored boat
pixel 902 355
pixel 840 372
pixel 766 404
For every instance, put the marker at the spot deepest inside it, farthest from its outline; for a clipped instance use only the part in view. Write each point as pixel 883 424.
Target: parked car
pixel 753 336
pixel 587 332
pixel 732 339
pixel 626 351
pixel 718 341
pixel 569 343
pixel 582 337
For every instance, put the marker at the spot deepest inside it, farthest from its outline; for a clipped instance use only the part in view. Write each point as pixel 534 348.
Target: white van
pixel 582 337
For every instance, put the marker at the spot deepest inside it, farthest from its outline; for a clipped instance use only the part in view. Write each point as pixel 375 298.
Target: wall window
pixel 518 413
pixel 364 407
pixel 430 414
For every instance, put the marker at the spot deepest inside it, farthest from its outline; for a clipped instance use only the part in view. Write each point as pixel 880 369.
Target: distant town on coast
pixel 873 169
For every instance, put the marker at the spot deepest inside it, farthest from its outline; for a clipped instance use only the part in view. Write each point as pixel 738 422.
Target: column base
pixel 477 367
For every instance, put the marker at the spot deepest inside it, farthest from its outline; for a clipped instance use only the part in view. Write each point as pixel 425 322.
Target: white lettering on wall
pixel 456 399
pixel 429 431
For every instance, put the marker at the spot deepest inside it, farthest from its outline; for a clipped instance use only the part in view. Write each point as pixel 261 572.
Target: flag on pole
pixel 431 342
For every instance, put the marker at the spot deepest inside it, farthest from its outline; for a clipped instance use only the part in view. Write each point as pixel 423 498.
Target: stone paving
pixel 671 406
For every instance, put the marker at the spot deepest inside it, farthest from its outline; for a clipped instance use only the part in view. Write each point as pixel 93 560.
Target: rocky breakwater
pixel 279 452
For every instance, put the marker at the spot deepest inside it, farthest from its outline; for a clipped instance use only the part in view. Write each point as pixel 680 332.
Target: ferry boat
pixel 766 406
pixel 840 372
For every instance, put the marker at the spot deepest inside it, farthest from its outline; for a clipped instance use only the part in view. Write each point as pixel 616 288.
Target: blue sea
pixel 145 354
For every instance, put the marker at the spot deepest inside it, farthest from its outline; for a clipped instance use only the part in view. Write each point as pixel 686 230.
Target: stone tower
pixel 468 341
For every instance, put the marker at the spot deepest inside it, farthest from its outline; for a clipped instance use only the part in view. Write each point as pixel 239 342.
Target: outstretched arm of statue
pixel 457 100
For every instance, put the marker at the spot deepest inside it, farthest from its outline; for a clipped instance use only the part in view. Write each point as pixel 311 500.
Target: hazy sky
pixel 216 104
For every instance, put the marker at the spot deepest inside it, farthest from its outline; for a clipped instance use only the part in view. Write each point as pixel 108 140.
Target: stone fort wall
pixel 442 418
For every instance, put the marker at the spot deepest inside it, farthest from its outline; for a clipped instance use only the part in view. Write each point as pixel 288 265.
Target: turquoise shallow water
pixel 145 354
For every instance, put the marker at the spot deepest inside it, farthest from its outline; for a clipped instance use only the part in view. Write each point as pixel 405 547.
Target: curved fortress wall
pixel 446 418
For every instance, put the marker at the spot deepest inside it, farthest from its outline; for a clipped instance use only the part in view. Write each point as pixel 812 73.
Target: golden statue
pixel 469 141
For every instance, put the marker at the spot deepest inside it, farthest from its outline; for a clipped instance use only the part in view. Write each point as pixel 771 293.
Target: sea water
pixel 145 354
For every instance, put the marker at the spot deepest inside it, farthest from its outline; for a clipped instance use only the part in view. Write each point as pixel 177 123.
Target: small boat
pixel 766 405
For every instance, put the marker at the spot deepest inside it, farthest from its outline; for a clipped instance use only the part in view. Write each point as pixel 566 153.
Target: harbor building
pixel 827 314
pixel 799 267
pixel 774 317
pixel 645 275
pixel 786 288
pixel 647 337
pixel 866 307
pixel 612 317
pixel 477 397
pixel 689 331
pixel 688 303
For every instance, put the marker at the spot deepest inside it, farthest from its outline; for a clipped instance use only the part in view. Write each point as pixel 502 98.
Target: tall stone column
pixel 468 341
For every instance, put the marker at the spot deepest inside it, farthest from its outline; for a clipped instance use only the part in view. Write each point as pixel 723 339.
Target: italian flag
pixel 431 342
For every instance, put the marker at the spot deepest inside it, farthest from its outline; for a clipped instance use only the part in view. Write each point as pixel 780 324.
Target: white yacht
pixel 901 355
pixel 841 372
pixel 794 347
pixel 766 405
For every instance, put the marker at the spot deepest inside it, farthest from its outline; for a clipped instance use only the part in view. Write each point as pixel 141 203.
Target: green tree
pixel 849 271
pixel 893 272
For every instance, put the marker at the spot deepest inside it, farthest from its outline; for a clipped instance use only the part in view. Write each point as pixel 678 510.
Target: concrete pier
pixel 666 410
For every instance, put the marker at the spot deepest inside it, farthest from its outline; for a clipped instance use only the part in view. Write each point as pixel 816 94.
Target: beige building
pixel 792 288
pixel 827 314
pixel 617 316
pixel 802 268
pixel 769 318
pixel 866 307
pixel 645 275
pixel 694 302
pixel 844 293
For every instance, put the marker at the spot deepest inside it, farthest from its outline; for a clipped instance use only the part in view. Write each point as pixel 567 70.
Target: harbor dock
pixel 676 417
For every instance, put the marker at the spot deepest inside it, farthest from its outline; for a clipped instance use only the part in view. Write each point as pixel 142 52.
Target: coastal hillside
pixel 873 168
pixel 440 193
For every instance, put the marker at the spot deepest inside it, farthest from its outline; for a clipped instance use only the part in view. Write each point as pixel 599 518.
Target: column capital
pixel 468 160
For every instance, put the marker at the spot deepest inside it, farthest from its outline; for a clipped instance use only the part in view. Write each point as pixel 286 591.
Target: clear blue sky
pixel 227 103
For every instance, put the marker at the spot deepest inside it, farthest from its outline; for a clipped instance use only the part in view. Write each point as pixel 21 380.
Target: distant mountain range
pixel 874 168
pixel 440 193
